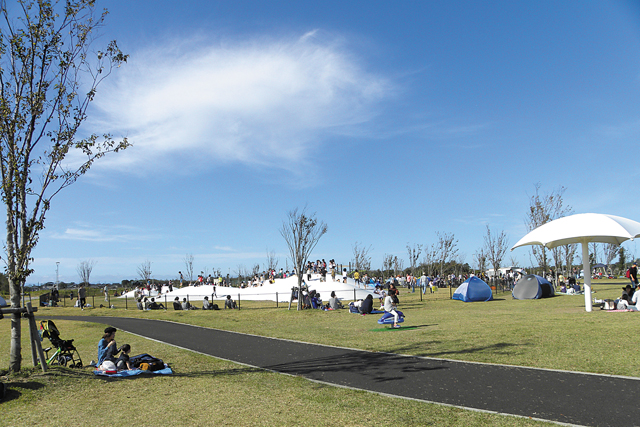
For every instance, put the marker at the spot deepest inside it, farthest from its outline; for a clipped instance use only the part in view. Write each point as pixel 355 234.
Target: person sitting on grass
pixel 153 305
pixel 186 305
pixel 207 305
pixel 123 361
pixel 366 306
pixel 107 347
pixel 139 304
pixel 229 303
pixel 334 301
pixel 176 304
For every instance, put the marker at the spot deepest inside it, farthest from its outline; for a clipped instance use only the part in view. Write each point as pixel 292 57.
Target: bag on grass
pixel 146 362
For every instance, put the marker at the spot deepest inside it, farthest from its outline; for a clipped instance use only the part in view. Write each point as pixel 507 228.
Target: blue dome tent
pixel 532 286
pixel 473 289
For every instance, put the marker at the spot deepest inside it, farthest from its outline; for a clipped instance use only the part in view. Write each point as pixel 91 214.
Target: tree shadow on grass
pixel 13 389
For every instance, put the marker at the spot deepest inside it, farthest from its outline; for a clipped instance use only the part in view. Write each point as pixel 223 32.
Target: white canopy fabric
pixel 584 229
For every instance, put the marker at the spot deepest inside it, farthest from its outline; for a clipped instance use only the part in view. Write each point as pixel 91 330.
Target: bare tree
pixel 543 209
pixel 302 232
pixel 557 261
pixel 610 251
pixel 398 265
pixel 446 250
pixel 387 263
pixel 480 259
pixel 188 267
pixel 84 270
pixel 49 76
pixel 255 271
pixel 414 255
pixel 361 259
pixel 495 247
pixel 593 254
pixel 272 261
pixel 569 252
pixel 430 257
pixel 241 272
pixel 513 261
pixel 144 270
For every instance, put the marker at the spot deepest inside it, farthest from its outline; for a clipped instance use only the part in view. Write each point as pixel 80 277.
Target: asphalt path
pixel 560 396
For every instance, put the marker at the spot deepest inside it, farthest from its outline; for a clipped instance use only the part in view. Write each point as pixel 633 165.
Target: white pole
pixel 587 276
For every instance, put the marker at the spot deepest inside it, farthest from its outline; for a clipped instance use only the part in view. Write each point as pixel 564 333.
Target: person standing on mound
pixel 390 307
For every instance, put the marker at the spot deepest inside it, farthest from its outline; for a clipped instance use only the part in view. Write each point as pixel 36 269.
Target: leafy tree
pixel 48 78
pixel 302 232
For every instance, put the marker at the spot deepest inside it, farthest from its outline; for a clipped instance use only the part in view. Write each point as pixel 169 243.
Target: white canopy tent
pixel 584 229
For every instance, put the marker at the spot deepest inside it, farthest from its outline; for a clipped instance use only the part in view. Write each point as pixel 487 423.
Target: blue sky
pixel 391 120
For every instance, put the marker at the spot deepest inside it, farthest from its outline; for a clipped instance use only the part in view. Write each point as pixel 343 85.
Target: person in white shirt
pixel 390 307
pixel 636 297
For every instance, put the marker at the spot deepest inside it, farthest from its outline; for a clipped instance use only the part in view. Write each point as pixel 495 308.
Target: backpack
pixel 628 274
pixel 146 362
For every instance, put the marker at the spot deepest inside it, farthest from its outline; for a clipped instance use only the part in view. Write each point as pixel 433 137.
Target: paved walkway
pixel 567 397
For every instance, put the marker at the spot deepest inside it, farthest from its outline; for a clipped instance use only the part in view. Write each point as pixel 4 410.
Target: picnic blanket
pixel 133 372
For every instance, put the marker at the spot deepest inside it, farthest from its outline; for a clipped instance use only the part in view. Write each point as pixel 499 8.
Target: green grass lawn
pixel 550 333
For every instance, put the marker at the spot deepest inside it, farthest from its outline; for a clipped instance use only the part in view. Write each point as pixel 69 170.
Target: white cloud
pixel 86 232
pixel 263 102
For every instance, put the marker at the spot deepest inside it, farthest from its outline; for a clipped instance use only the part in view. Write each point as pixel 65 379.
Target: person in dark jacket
pixel 366 307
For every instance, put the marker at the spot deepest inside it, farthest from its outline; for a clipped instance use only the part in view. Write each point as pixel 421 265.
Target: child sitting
pixel 123 360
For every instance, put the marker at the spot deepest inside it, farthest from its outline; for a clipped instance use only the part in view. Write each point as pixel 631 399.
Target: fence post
pixel 354 294
pixel 238 302
pixel 126 305
pixel 93 301
pixel 276 300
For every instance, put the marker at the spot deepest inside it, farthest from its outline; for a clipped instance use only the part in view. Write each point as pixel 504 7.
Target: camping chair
pixel 65 352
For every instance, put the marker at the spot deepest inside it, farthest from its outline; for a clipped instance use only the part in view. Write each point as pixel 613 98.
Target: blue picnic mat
pixel 133 372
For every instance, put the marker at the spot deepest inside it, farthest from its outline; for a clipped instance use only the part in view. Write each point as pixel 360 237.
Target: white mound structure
pixel 268 291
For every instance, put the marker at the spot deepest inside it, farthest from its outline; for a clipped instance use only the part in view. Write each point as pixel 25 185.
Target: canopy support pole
pixel 587 276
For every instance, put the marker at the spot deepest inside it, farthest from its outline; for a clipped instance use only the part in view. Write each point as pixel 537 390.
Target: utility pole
pixel 57 269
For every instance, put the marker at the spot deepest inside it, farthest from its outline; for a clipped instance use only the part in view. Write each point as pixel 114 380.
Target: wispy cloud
pixel 100 233
pixel 258 102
